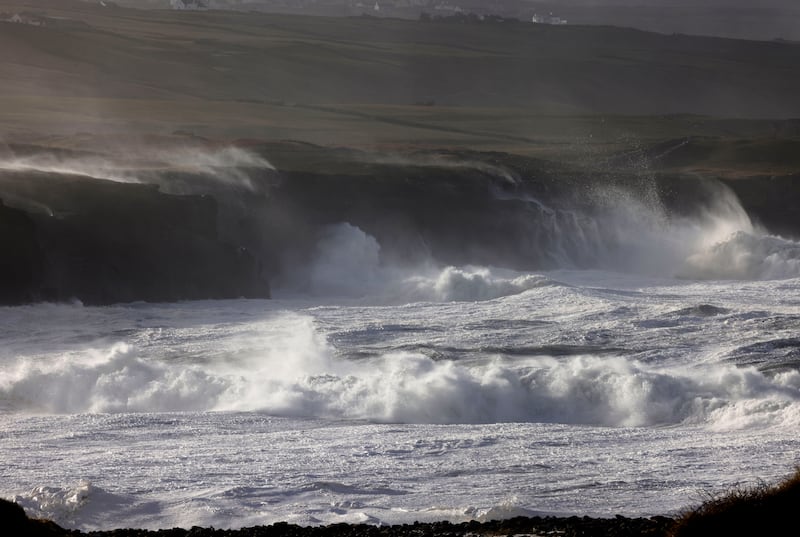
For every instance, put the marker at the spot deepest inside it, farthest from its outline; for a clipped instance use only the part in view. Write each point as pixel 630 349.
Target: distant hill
pixel 763 20
pixel 317 61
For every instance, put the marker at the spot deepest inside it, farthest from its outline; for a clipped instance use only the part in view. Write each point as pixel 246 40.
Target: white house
pixel 18 18
pixel 548 19
pixel 187 4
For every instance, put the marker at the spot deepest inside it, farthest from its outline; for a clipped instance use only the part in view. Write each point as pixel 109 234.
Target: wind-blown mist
pixel 619 232
pixel 90 167
pixel 632 232
pixel 229 165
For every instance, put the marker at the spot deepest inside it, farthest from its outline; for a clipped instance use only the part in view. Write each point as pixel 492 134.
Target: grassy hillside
pixel 595 97
pixel 359 81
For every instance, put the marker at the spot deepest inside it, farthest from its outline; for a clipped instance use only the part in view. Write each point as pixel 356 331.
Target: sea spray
pixel 93 167
pixel 630 230
pixel 346 263
pixel 228 165
pixel 719 243
pixel 745 256
pixel 287 367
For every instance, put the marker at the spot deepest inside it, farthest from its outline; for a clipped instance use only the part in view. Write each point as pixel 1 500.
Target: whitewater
pixel 384 393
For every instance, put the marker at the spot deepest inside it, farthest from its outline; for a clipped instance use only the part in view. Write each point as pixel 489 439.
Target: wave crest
pixel 746 256
pixel 291 370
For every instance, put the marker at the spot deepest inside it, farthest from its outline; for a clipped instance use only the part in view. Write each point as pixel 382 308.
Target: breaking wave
pixel 55 503
pixel 289 369
pixel 347 263
pixel 622 232
pixel 633 233
pixel 746 256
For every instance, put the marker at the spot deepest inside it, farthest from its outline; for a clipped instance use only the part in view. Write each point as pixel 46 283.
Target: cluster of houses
pixel 34 19
pixel 23 18
pixel 479 10
pixel 444 9
pixel 187 4
pixel 428 8
pixel 548 19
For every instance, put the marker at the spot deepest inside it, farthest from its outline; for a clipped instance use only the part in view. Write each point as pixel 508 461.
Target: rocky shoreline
pixel 17 522
pixel 574 526
pixel 536 526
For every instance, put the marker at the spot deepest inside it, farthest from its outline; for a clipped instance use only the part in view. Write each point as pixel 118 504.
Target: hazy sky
pixel 746 19
pixel 794 4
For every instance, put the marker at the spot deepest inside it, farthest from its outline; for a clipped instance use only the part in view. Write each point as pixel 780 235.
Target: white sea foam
pixel 56 503
pixel 479 283
pixel 347 263
pixel 292 370
pixel 553 401
pixel 633 233
pixel 745 256
pixel 111 380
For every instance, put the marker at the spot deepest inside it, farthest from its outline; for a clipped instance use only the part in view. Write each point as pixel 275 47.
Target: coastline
pixel 573 526
pixel 16 520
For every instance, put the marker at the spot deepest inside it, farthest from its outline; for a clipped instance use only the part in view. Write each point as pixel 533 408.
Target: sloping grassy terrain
pixel 357 80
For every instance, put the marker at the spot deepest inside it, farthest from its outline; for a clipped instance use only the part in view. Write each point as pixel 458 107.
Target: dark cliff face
pixel 69 237
pixel 447 214
pixel 773 202
pixel 102 242
pixel 21 259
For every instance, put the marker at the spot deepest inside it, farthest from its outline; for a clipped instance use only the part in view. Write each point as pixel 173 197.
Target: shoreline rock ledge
pixel 14 518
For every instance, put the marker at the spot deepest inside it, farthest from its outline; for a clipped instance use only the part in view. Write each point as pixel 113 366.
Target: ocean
pixel 371 392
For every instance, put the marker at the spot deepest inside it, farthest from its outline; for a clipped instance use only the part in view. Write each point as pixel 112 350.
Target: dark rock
pixel 20 257
pixel 102 242
pixel 15 522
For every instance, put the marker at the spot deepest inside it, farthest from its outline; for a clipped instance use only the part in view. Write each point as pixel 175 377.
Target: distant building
pixel 448 7
pixel 548 19
pixel 24 18
pixel 187 4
